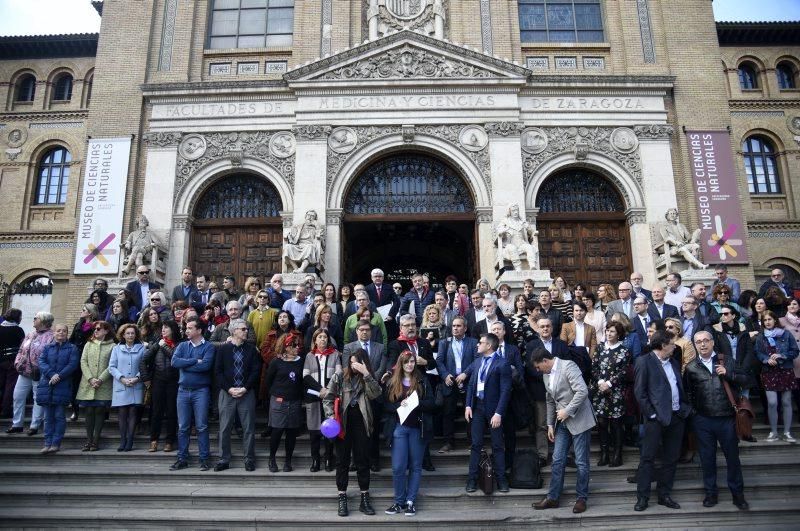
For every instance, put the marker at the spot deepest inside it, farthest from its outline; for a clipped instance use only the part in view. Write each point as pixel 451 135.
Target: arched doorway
pixel 583 235
pixel 237 229
pixel 32 295
pixel 406 213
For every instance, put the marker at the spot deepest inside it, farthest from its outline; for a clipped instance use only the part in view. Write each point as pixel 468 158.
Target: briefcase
pixel 486 474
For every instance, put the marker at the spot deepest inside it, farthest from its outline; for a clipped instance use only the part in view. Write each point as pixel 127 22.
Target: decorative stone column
pixel 178 245
pixel 333 245
pixel 505 162
pixel 485 251
pixel 310 170
pixel 658 184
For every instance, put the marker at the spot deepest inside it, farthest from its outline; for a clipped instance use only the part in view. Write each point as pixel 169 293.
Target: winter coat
pixel 30 350
pixel 124 363
pixel 156 363
pixel 94 364
pixel 61 359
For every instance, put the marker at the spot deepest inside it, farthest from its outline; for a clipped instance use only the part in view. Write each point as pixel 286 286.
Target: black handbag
pixel 486 474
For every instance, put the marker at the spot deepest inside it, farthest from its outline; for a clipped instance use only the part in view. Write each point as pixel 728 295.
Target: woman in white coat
pixel 128 390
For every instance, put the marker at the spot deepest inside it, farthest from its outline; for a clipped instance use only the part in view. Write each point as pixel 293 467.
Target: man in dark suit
pixel 709 313
pixel 183 291
pixel 641 318
pixel 440 298
pixel 554 314
pixel 659 391
pixel 237 367
pixel 491 315
pixel 381 294
pixel 775 279
pixel 535 379
pixel 455 356
pixel 377 361
pixel 636 281
pixel 510 353
pixel 361 301
pixel 140 288
pixel 475 312
pixel 658 309
pixel 202 295
pixel 691 320
pixel 488 393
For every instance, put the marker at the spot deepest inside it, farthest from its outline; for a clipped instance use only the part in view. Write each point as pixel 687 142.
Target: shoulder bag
pixel 744 410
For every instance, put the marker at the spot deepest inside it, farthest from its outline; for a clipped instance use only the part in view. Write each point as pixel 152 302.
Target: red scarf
pixel 402 337
pixel 170 343
pixel 327 352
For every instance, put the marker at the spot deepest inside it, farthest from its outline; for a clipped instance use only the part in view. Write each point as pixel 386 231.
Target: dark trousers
pixel 8 379
pixel 356 441
pixel 375 438
pixel 670 438
pixel 509 438
pixel 709 431
pixel 450 409
pixel 480 420
pixel 164 401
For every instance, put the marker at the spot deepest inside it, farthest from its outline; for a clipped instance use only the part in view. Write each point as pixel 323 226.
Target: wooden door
pixel 241 248
pixel 588 251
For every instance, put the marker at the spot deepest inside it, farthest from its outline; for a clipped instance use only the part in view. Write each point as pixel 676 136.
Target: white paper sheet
pixel 411 403
pixel 384 310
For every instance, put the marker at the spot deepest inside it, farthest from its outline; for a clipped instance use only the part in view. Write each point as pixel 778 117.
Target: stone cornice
pixel 150 89
pixel 36 236
pixel 763 103
pixel 599 81
pixel 43 115
pixel 754 226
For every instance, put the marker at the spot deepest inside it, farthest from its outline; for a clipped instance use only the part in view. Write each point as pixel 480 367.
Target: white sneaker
pixel 788 437
pixel 772 437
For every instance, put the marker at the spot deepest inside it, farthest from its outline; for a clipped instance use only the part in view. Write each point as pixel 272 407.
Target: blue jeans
pixel 407 445
pixel 193 403
pixel 709 431
pixel 581 445
pixel 55 424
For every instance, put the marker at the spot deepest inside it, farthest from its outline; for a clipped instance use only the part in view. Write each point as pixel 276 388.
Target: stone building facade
pixel 411 127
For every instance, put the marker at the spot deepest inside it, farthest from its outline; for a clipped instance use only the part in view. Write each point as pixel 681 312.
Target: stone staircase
pixel 107 489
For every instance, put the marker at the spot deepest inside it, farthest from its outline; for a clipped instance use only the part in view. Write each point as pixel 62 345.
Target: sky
pixel 42 17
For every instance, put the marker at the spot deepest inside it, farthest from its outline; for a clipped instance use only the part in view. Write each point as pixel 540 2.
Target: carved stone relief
pixel 451 133
pixel 16 137
pixel 168 35
pixel 425 16
pixel 648 48
pixel 624 140
pixel 162 139
pixel 504 128
pixel 235 146
pixel 192 147
pixel 312 132
pixel 534 141
pixel 654 132
pixel 342 140
pixel 282 144
pixel 581 141
pixel 473 138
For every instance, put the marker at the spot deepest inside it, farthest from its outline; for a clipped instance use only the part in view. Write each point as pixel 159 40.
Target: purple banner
pixel 722 233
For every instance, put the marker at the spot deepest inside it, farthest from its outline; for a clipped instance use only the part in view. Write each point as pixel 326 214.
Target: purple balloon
pixel 330 428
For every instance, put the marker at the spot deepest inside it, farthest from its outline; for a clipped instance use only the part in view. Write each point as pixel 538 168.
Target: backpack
pixel 525 473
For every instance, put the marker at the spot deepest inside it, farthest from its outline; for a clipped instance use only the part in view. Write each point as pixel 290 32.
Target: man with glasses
pixel 194 358
pixel 637 279
pixel 624 304
pixel 488 393
pixel 490 316
pixel 417 299
pixel 237 367
pixel 141 286
pixel 184 291
pixel 714 419
pixel 277 295
pixel 299 304
pixel 721 271
pixel 659 309
pixel 397 288
pixel 554 314
pixel 675 292
pixel 775 279
pixel 691 320
pixel 641 318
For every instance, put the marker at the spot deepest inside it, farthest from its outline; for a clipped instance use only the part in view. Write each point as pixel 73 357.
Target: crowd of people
pixel 647 368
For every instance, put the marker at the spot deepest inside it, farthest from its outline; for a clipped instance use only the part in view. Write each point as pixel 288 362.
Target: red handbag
pixel 337 415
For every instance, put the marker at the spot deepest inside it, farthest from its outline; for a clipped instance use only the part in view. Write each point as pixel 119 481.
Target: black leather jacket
pixel 156 364
pixel 705 391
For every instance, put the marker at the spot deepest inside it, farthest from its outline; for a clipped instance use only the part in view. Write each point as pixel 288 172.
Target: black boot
pixel 616 439
pixel 603 461
pixel 314 464
pixel 329 464
pixel 602 429
pixel 287 465
pixel 366 506
pixel 343 505
pixel 273 466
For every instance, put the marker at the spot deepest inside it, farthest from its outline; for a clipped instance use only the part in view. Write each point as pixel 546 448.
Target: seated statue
pixel 516 240
pixel 140 246
pixel 678 241
pixel 305 245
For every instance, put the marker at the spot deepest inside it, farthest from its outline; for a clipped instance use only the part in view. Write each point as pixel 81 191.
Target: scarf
pixel 731 329
pixel 327 352
pixel 86 326
pixel 170 343
pixel 794 320
pixel 772 334
pixel 402 337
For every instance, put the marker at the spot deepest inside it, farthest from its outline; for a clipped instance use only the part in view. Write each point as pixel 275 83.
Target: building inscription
pixel 220 110
pixel 584 104
pixel 405 102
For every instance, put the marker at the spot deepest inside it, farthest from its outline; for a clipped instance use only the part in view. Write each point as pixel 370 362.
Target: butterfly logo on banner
pixel 721 242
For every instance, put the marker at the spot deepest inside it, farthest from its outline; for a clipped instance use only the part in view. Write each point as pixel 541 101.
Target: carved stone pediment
pixel 407 55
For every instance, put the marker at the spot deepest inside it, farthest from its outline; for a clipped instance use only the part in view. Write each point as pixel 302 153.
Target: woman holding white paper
pixel 409 407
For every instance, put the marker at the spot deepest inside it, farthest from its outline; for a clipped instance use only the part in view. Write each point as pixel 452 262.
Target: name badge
pixel 480 386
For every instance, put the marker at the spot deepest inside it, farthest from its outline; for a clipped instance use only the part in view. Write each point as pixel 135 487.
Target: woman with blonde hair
pixel 562 285
pixel 252 287
pixel 688 353
pixel 432 320
pixel 558 302
pixel 324 319
pixel 605 295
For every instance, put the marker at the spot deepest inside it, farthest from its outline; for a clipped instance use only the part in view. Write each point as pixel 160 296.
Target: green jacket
pixel 94 364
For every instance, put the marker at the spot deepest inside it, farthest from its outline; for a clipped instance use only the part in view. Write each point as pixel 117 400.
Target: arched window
pixel 239 196
pixel 251 23
pixel 63 88
pixel 787 75
pixel 748 78
pixel 760 165
pixel 560 21
pixel 578 190
pixel 53 177
pixel 26 88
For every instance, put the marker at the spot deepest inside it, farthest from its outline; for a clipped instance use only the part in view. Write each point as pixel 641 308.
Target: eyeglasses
pixel 702 340
pixel 776 276
pixel 261 297
pixel 242 328
pixel 155 300
pixel 147 272
pixel 727 313
pixel 99 329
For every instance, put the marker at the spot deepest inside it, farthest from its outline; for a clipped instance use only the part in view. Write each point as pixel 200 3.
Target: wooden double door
pixel 593 250
pixel 238 247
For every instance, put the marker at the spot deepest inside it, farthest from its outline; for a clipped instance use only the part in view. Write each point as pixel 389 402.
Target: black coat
pixel 706 392
pixel 745 361
pixel 653 392
pixel 424 350
pixel 224 369
pixel 156 364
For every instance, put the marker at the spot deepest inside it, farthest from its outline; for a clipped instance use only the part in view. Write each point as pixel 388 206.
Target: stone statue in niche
pixel 141 245
pixel 305 245
pixel 516 239
pixel 678 242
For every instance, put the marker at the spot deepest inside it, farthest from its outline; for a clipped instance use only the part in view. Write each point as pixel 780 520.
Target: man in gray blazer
pixel 622 305
pixel 377 361
pixel 570 418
